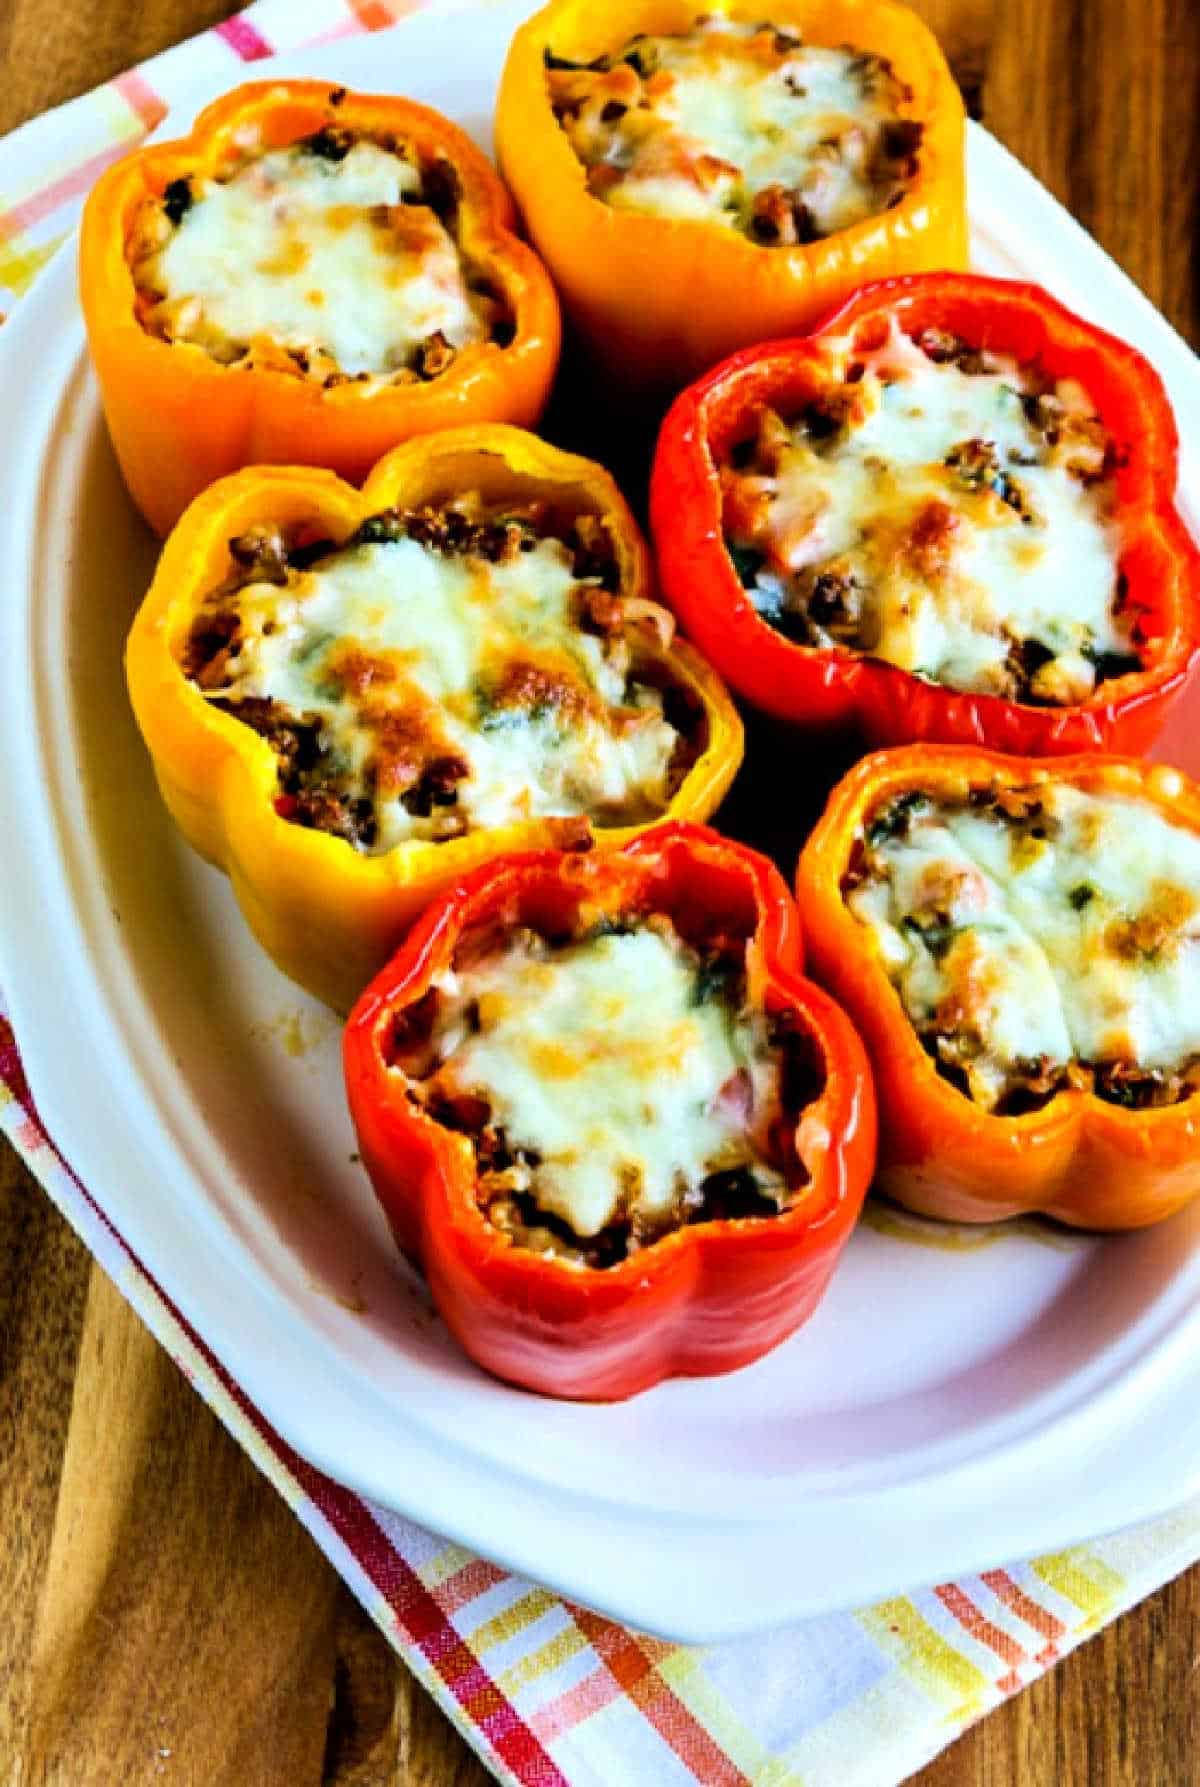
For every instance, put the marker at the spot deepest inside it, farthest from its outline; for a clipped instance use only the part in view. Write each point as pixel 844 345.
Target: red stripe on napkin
pixel 974 1621
pixel 49 198
pixel 244 40
pixel 1046 1624
pixel 634 1671
pixel 372 15
pixel 140 97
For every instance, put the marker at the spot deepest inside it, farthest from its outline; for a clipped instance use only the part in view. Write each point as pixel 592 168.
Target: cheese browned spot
pixel 743 126
pixel 332 259
pixel 947 511
pixel 446 670
pixel 615 1086
pixel 1040 939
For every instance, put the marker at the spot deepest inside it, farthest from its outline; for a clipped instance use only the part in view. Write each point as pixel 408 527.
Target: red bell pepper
pixel 845 689
pixel 703 1298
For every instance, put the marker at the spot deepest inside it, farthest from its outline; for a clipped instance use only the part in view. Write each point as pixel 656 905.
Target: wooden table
pixel 162 1616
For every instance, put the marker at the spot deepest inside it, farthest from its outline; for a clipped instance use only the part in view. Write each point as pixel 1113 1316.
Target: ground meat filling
pixel 741 125
pixel 446 668
pixel 614 1085
pixel 1041 940
pixel 336 259
pixel 946 510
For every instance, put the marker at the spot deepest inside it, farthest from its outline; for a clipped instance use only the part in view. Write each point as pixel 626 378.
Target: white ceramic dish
pixel 960 1399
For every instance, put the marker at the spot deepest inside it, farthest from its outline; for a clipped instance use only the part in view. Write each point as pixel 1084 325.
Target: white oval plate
pixel 961 1397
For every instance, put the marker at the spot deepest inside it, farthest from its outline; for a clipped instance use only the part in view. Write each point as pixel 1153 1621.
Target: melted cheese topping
pixel 300 255
pixel 943 527
pixel 397 648
pixel 606 1064
pixel 1072 933
pixel 742 126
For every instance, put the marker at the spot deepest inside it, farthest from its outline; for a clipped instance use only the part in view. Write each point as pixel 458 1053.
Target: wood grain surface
pixel 162 1615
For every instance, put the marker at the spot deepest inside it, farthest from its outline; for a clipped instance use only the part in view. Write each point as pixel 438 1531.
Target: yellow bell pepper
pixel 328 914
pixel 659 299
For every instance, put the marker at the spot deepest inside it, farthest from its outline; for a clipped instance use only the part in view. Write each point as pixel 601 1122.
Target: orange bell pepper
pixel 180 419
pixel 1077 1156
pixel 329 915
pixel 704 1298
pixel 659 299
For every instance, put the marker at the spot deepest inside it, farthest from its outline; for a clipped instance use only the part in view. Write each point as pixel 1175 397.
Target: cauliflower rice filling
pixel 741 125
pixel 942 509
pixel 448 669
pixel 614 1085
pixel 1040 939
pixel 332 259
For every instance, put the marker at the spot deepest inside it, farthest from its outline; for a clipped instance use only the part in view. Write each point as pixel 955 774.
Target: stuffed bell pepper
pixel 310 277
pixel 1019 943
pixel 948 514
pixel 699 176
pixel 351 698
pixel 606 1116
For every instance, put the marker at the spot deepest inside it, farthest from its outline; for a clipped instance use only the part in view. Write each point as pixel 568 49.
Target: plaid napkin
pixel 546 1692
